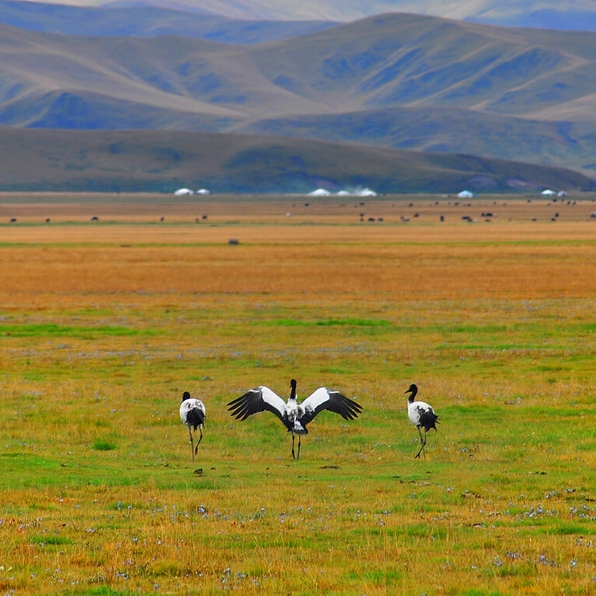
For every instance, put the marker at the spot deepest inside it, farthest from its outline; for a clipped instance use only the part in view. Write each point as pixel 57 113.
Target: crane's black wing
pixel 329 399
pixel 259 399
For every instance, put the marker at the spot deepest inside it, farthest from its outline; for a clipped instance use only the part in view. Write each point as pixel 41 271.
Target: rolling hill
pixel 161 161
pixel 448 130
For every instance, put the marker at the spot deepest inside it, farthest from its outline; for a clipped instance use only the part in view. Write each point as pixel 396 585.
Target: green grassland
pixel 99 495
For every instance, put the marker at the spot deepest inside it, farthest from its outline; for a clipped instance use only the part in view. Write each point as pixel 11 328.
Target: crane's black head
pixel 413 389
pixel 185 396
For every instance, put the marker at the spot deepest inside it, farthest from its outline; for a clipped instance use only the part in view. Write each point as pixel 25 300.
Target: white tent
pixel 548 193
pixel 320 192
pixel 202 191
pixel 465 194
pixel 183 191
pixel 366 192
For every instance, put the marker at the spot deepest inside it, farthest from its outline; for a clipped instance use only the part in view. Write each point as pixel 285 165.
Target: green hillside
pixel 45 160
pixel 447 129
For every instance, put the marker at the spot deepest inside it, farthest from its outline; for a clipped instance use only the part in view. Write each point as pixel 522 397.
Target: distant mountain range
pixel 253 21
pixel 148 21
pixel 394 81
pixel 546 14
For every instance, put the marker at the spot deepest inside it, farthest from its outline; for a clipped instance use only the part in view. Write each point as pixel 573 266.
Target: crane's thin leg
pixel 191 444
pixel 422 442
pixel 293 455
pixel 200 439
pixel 299 437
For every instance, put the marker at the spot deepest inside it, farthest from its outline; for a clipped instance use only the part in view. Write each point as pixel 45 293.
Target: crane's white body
pixel 417 410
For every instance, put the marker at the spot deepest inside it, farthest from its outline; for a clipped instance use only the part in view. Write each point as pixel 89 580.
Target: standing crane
pixel 192 413
pixel 421 415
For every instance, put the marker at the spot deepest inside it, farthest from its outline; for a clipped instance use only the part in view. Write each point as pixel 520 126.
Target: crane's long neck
pixel 292 390
pixel 413 393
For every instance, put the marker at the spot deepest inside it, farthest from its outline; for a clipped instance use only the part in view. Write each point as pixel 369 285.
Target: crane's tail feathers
pixel 299 429
pixel 428 420
pixel 195 418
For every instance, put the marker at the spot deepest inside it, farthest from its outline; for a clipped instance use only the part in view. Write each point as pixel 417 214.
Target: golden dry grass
pixel 103 326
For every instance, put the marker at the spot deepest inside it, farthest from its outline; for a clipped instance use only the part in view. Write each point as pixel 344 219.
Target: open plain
pixel 112 305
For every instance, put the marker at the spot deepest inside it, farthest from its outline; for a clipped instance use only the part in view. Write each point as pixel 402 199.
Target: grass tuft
pixel 103 445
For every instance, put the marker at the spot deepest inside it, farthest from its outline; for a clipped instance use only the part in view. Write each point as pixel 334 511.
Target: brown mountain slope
pixel 378 62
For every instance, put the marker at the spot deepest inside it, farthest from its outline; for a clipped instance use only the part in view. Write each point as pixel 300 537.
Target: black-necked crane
pixel 293 415
pixel 192 413
pixel 421 415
